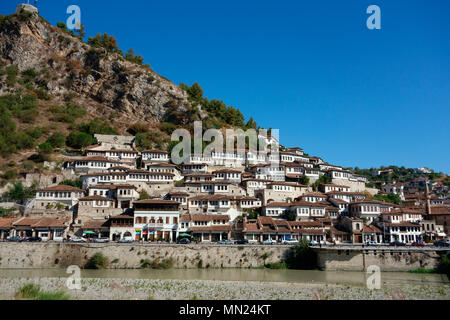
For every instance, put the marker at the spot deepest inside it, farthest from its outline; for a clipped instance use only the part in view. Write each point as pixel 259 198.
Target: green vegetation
pixel 302 257
pixel 157 264
pixel 144 195
pixel 324 179
pixel 97 261
pixel 17 192
pixel 390 198
pixel 423 271
pixel 277 265
pixel 304 180
pixel 83 134
pixel 34 292
pixel 104 41
pixel 5 213
pixel 73 183
pixel 399 174
pixel 68 113
pixel 57 140
pixel 218 111
pixel 130 56
pixel 444 264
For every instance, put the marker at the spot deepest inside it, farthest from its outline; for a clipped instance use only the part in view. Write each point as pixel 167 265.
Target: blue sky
pixel 312 69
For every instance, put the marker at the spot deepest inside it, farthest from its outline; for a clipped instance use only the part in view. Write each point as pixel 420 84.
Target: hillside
pixel 56 91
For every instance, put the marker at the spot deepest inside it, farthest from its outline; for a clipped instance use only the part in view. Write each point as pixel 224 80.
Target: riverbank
pixel 145 289
pixel 133 256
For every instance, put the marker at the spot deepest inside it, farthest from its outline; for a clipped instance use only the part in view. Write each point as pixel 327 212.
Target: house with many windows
pixel 156 220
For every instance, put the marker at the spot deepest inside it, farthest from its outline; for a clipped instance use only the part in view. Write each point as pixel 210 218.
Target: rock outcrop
pixel 102 82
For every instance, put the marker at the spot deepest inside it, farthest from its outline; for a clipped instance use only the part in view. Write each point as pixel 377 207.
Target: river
pixel 242 275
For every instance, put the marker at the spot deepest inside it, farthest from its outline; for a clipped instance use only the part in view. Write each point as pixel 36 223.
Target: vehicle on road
pixel 34 239
pixel 242 241
pixel 126 240
pixel 78 240
pixel 441 243
pixel 313 243
pixel 14 239
pixel 397 244
pixel 371 243
pixel 418 244
pixel 269 242
pixel 225 242
pixel 101 240
pixel 290 241
pixel 184 241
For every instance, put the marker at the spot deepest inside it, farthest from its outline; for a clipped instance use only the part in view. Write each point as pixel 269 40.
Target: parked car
pixel 78 240
pixel 242 241
pixel 34 239
pixel 441 243
pixel 184 241
pixel 371 243
pixel 269 242
pixel 290 241
pixel 226 242
pixel 126 240
pixel 101 240
pixel 14 239
pixel 397 244
pixel 418 244
pixel 313 243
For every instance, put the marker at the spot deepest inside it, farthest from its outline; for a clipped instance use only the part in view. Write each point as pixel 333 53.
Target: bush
pixel 57 140
pixel 12 72
pixel 45 148
pixel 97 261
pixel 34 292
pixel 444 264
pixel 73 183
pixel 10 175
pixel 79 140
pixel 68 113
pixel 277 265
pixel 302 257
pixel 157 264
pixel 35 133
pixel 168 127
pixel 28 165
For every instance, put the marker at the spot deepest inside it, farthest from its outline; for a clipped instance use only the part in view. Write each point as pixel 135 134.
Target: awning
pixel 184 235
pixel 89 232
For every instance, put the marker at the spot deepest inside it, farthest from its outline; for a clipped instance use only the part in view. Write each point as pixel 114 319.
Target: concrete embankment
pixel 130 256
pixel 387 259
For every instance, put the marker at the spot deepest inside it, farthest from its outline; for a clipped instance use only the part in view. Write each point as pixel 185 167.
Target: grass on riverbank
pixel 423 271
pixel 34 292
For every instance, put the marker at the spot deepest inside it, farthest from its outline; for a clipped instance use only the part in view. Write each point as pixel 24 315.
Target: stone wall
pixel 387 260
pixel 52 255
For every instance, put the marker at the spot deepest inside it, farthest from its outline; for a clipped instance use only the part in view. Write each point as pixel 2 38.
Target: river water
pixel 262 275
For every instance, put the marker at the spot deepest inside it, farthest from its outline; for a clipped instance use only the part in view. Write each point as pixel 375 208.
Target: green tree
pixel 130 56
pixel 195 92
pixel 80 140
pixel 45 148
pixel 57 140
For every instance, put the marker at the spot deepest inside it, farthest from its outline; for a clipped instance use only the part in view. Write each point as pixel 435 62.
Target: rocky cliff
pixel 100 81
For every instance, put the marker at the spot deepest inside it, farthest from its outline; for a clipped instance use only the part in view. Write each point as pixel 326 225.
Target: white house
pixel 156 220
